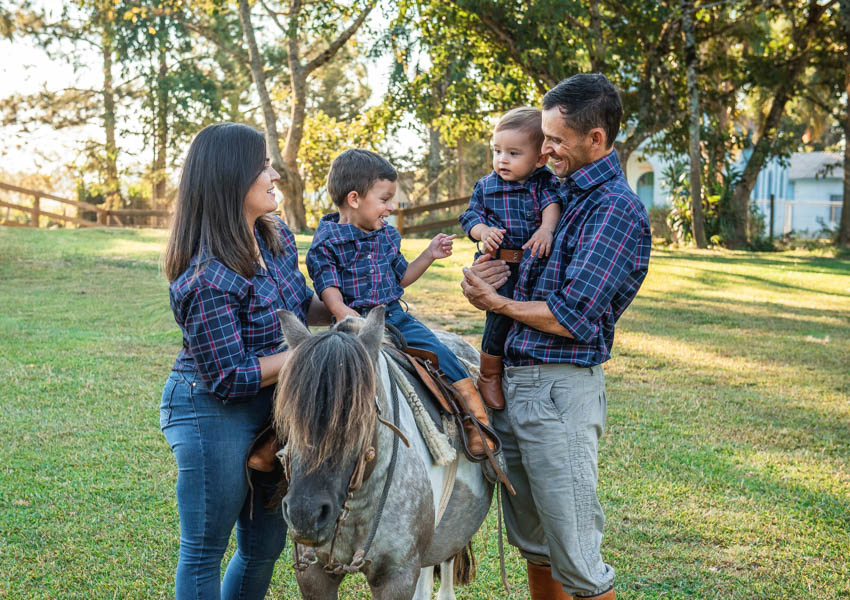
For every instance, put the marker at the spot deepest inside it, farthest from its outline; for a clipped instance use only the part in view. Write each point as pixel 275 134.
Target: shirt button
pixel 369 257
pixel 371 270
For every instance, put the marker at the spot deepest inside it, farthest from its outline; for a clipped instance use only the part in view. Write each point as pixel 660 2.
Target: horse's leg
pixel 447 580
pixel 315 584
pixel 400 584
pixel 425 584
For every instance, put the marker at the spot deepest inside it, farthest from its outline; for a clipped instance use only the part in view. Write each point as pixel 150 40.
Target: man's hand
pixel 492 238
pixel 540 243
pixel 492 271
pixel 480 294
pixel 441 246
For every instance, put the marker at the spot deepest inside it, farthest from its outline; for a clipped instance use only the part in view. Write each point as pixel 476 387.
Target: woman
pixel 231 265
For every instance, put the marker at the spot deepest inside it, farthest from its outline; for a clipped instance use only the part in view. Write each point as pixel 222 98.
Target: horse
pixel 358 499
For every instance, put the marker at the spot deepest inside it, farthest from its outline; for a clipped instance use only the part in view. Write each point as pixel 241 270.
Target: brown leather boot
pixel 490 381
pixel 470 394
pixel 263 457
pixel 542 586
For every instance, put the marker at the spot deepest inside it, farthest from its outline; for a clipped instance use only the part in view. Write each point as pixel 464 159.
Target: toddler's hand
pixel 441 245
pixel 492 238
pixel 540 243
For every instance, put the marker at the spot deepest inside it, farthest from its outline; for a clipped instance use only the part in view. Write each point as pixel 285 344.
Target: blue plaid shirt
pixel 600 256
pixel 229 321
pixel 366 266
pixel 510 205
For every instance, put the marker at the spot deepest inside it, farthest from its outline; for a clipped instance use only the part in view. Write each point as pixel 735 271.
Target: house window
pixel 835 208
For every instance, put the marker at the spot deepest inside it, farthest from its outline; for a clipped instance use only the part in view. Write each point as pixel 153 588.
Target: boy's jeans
pixel 210 441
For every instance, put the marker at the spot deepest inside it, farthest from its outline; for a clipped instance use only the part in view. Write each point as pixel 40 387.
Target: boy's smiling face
pixel 369 212
pixel 515 156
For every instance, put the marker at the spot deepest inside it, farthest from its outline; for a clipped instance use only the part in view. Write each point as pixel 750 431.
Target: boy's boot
pixel 473 401
pixel 262 457
pixel 490 381
pixel 542 586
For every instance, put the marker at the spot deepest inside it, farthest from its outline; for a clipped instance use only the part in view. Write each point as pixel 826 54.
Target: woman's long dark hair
pixel 222 164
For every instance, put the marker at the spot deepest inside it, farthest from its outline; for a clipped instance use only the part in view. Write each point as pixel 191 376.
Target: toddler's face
pixel 369 212
pixel 515 156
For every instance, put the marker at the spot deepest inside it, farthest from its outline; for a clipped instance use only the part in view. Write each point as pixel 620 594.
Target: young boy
pixel 356 264
pixel 514 208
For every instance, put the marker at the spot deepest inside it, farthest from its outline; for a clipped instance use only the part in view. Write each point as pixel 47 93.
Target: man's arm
pixel 534 314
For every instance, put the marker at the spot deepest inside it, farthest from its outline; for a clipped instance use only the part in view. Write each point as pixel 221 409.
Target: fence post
pixel 399 221
pixel 36 210
pixel 772 204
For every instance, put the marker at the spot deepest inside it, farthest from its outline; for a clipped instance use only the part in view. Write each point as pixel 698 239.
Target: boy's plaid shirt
pixel 229 321
pixel 515 207
pixel 600 256
pixel 366 266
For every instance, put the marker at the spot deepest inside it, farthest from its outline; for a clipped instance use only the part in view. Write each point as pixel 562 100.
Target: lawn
pixel 724 471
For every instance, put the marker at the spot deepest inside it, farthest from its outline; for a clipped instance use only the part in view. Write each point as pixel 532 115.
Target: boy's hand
pixel 343 312
pixel 492 238
pixel 540 243
pixel 441 246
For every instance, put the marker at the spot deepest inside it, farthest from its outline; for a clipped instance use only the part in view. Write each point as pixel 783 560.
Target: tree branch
pixel 338 43
pixel 542 80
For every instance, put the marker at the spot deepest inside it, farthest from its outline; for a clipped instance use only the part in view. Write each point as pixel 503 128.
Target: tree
pixel 843 238
pixel 695 117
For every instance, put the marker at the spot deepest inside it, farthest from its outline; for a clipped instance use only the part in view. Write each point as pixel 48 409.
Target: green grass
pixel 724 472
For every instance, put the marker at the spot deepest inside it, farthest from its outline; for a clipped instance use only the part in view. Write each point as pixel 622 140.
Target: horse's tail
pixel 465 566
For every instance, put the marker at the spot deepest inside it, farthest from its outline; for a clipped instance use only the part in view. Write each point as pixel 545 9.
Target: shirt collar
pixel 331 229
pixel 494 183
pixel 595 173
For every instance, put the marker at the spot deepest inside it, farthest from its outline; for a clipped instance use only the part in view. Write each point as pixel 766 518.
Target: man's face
pixel 568 149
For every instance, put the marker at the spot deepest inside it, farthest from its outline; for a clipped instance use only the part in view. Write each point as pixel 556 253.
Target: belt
pixel 508 255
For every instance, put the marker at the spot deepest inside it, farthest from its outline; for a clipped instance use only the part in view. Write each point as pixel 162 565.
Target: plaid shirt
pixel 600 256
pixel 229 321
pixel 510 205
pixel 366 266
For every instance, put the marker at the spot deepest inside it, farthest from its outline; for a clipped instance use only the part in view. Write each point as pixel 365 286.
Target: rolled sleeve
pixel 214 337
pixel 399 263
pixel 548 195
pixel 474 214
pixel 322 268
pixel 603 260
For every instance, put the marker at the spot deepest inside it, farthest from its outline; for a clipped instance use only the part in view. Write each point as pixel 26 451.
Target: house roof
pixel 815 165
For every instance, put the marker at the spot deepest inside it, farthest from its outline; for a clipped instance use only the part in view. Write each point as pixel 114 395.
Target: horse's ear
pixel 372 333
pixel 294 331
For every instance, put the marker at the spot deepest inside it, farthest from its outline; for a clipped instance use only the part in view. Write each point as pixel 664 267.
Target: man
pixel 565 308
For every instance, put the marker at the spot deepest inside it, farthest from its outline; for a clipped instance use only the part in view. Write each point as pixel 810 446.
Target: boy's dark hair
pixel 525 119
pixel 587 100
pixel 356 170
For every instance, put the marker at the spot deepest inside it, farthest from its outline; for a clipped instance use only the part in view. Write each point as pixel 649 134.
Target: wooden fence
pixel 102 215
pixel 403 214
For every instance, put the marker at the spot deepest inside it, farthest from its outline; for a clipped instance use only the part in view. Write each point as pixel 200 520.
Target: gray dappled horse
pixel 327 409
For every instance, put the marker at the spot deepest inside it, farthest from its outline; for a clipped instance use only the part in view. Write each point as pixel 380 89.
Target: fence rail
pixel 405 213
pixel 103 216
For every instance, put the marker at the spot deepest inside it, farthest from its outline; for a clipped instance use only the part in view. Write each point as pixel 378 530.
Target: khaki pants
pixel 550 429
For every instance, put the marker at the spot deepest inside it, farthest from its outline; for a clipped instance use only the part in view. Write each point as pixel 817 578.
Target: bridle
pixel 362 471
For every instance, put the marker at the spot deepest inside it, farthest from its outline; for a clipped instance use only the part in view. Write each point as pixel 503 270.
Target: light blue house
pixel 807 192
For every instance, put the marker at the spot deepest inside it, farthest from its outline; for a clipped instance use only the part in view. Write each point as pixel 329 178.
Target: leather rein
pixel 361 473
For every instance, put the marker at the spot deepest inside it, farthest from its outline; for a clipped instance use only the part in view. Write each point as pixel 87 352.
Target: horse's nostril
pixel 324 514
pixel 284 508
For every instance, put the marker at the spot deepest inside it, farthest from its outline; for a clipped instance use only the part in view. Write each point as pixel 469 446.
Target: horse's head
pixel 325 412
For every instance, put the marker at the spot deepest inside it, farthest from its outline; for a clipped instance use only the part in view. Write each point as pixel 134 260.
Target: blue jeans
pixel 496 326
pixel 210 441
pixel 419 336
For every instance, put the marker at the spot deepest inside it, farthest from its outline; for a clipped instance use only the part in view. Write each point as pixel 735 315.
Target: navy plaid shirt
pixel 366 266
pixel 600 256
pixel 510 205
pixel 229 321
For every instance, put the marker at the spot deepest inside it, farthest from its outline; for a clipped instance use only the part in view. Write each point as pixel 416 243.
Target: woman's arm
pixel 270 367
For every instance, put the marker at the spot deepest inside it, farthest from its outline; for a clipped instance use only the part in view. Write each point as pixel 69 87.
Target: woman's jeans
pixel 210 441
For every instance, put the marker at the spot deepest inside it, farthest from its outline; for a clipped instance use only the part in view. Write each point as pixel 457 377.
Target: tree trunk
pixel 293 198
pixel 113 191
pixel 844 227
pixel 161 149
pixel 596 40
pixel 460 187
pixel 433 164
pixel 284 184
pixel 693 129
pixel 782 94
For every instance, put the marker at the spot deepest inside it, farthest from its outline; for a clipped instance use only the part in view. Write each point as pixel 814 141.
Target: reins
pixel 361 473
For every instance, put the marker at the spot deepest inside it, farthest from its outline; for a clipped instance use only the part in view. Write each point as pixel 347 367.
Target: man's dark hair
pixel 357 170
pixel 587 100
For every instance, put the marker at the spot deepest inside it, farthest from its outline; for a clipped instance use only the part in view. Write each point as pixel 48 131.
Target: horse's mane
pixel 324 406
